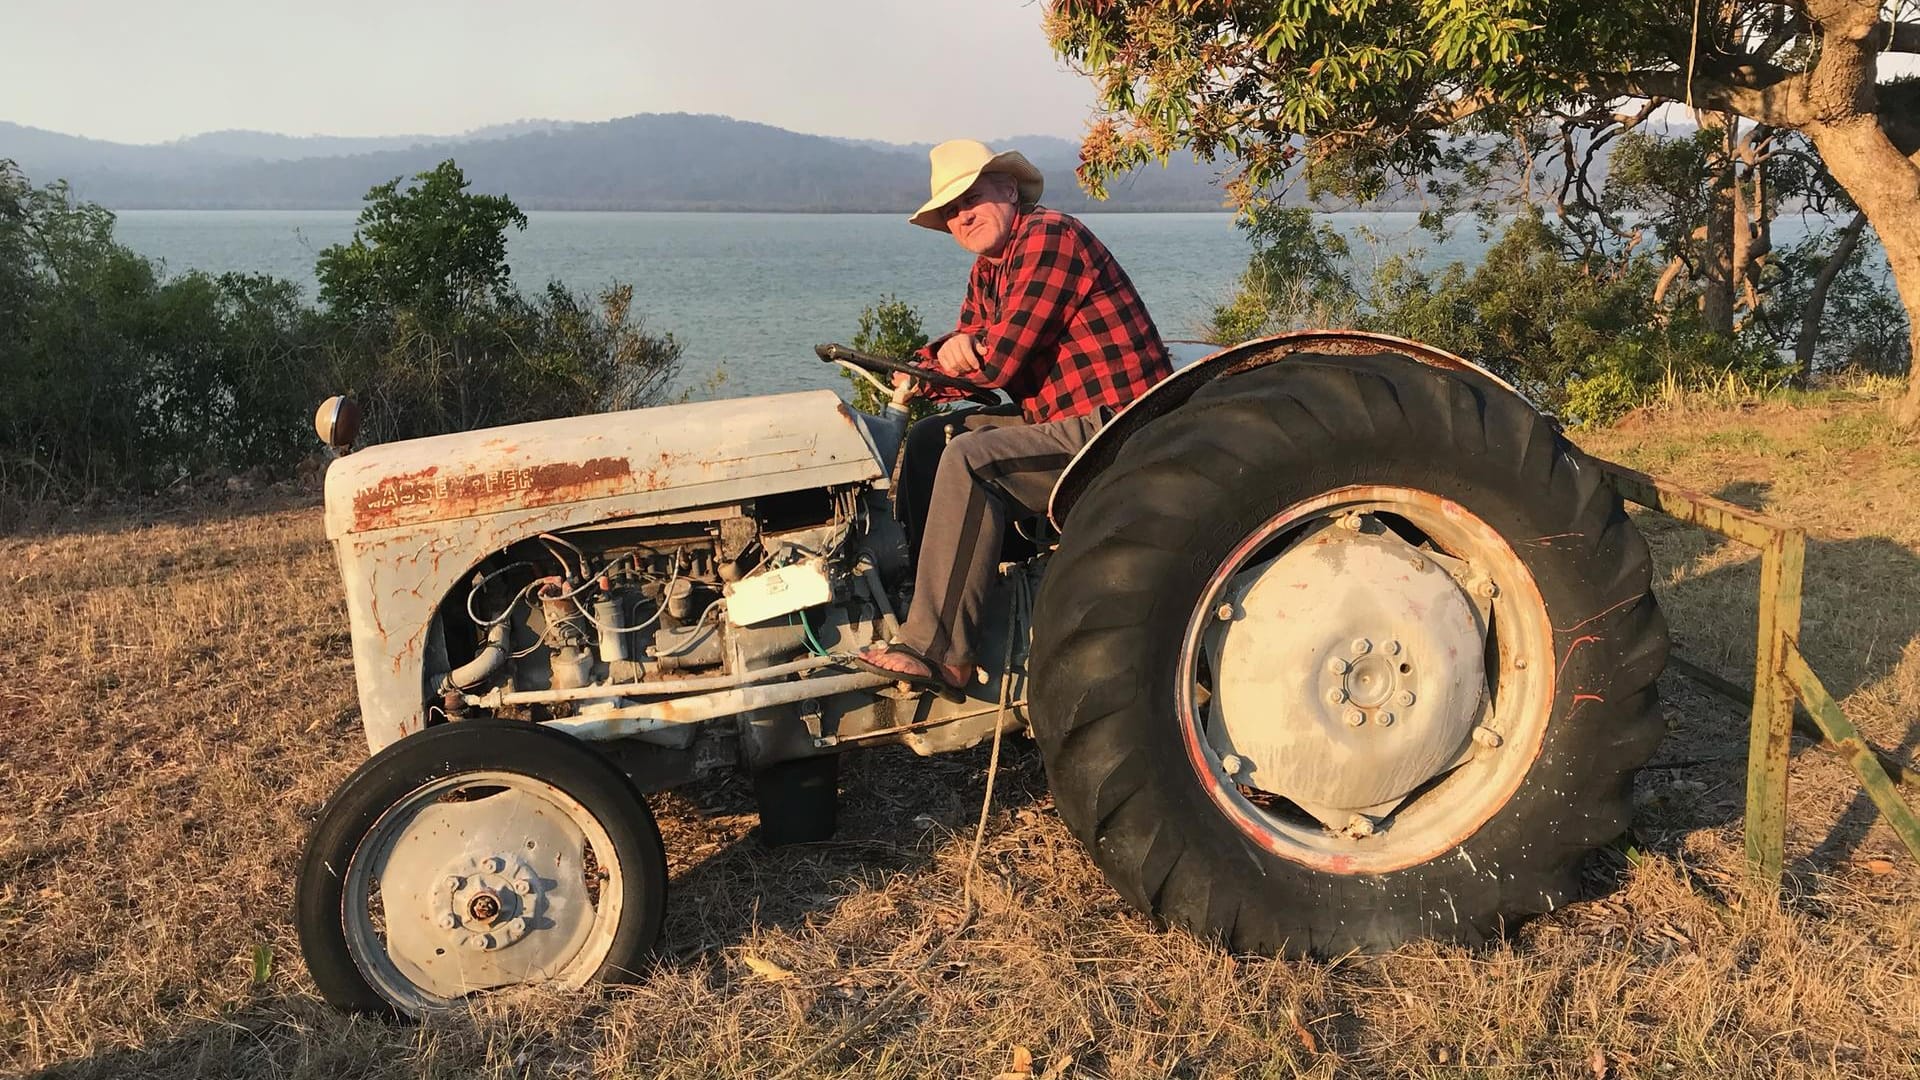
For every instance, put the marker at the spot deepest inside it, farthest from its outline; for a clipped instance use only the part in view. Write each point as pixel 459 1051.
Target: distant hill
pixel 267 146
pixel 674 161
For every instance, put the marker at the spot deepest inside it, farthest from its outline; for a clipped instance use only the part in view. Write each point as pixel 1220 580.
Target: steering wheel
pixel 887 365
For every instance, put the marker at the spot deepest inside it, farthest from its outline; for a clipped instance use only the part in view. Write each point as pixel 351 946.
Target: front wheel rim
pixel 481 881
pixel 1498 746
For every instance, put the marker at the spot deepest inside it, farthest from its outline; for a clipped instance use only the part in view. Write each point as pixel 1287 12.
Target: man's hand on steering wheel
pixel 932 375
pixel 905 389
pixel 958 356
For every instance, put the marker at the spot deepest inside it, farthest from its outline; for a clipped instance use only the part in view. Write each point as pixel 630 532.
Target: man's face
pixel 981 219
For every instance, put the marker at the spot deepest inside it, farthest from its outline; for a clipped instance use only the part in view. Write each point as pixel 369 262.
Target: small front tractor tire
pixel 478 856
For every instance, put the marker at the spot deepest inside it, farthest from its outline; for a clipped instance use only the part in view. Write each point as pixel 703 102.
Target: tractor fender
pixel 1173 391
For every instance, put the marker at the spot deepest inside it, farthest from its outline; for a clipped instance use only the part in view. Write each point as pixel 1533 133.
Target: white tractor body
pixel 410 520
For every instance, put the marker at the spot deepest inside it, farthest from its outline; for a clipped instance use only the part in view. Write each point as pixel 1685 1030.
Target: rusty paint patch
pixel 429 495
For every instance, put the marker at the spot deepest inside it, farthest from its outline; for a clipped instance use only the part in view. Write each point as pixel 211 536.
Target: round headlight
pixel 337 421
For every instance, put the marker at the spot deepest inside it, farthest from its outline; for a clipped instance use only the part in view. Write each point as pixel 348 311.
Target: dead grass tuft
pixel 177 703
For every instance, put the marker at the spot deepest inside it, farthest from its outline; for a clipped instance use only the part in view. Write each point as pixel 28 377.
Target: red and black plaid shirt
pixel 1060 327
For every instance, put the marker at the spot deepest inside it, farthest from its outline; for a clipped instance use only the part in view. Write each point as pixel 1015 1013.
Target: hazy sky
pixel 901 70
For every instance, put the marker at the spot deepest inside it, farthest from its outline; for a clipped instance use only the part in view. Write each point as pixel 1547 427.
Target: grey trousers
pixel 997 466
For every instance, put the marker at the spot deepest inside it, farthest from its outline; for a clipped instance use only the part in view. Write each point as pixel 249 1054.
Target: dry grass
pixel 176 702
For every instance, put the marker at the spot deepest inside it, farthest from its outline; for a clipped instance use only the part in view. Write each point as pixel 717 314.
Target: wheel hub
pixel 1349 669
pixel 1370 681
pixel 509 906
pixel 488 902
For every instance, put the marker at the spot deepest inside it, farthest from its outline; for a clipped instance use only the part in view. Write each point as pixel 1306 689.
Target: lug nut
pixel 1231 764
pixel 494 864
pixel 1350 521
pixel 478 941
pixel 1489 590
pixel 1223 612
pixel 1393 648
pixel 1487 737
pixel 1361 646
pixel 518 926
pixel 1386 719
pixel 1354 717
pixel 455 882
pixel 1336 696
pixel 522 887
pixel 1361 825
pixel 448 921
pixel 1403 698
pixel 1337 665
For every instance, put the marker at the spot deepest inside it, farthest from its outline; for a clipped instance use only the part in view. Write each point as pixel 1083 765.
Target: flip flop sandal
pixel 931 682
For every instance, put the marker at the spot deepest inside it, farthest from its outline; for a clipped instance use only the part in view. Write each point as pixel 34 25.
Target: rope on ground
pixel 970 908
pixel 1016 615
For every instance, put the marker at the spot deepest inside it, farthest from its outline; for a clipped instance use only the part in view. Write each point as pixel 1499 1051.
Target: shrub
pixel 119 378
pixel 1602 398
pixel 1863 325
pixel 430 332
pixel 889 328
pixel 1580 338
pixel 513 360
pixel 1295 279
pixel 434 249
pixel 1579 335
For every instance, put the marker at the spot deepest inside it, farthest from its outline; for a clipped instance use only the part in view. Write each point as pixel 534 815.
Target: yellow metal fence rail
pixel 1781 674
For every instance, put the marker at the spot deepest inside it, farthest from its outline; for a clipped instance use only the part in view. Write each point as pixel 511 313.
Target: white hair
pixel 1012 188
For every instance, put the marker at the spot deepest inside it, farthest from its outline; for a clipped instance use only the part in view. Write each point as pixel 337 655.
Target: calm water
pixel 751 294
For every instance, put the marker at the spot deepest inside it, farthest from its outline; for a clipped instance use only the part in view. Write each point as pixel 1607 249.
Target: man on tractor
pixel 1050 318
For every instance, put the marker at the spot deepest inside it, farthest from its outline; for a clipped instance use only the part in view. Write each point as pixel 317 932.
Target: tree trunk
pixel 1667 278
pixel 1716 264
pixel 1716 258
pixel 1843 101
pixel 1742 282
pixel 1817 297
pixel 1885 185
pixel 1755 219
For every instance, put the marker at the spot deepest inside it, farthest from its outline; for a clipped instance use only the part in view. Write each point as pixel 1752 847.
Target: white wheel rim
pixel 481 881
pixel 1494 744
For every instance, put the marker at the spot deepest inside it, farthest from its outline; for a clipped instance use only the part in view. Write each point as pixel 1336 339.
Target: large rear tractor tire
pixel 478 856
pixel 1343 652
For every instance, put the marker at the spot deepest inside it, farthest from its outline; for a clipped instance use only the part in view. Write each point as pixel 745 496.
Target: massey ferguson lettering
pixel 427 495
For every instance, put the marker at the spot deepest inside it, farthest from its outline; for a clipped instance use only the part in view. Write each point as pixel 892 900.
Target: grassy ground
pixel 176 702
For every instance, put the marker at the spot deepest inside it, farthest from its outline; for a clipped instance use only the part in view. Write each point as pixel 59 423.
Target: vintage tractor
pixel 1339 643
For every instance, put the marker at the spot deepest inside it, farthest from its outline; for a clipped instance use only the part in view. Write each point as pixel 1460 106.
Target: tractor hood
pixel 642 460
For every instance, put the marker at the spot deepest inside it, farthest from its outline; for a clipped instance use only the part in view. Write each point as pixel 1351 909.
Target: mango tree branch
pixel 1817 298
pixel 1898 37
pixel 1667 278
pixel 1452 110
pixel 1782 104
pixel 1900 116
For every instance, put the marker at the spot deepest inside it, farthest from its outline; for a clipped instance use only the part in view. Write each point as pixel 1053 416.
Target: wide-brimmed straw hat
pixel 957 163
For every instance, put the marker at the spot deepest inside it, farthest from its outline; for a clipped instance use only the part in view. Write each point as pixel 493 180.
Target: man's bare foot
pixel 896 659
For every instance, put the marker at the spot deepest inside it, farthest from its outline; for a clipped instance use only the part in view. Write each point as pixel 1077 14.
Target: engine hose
pixel 484 663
